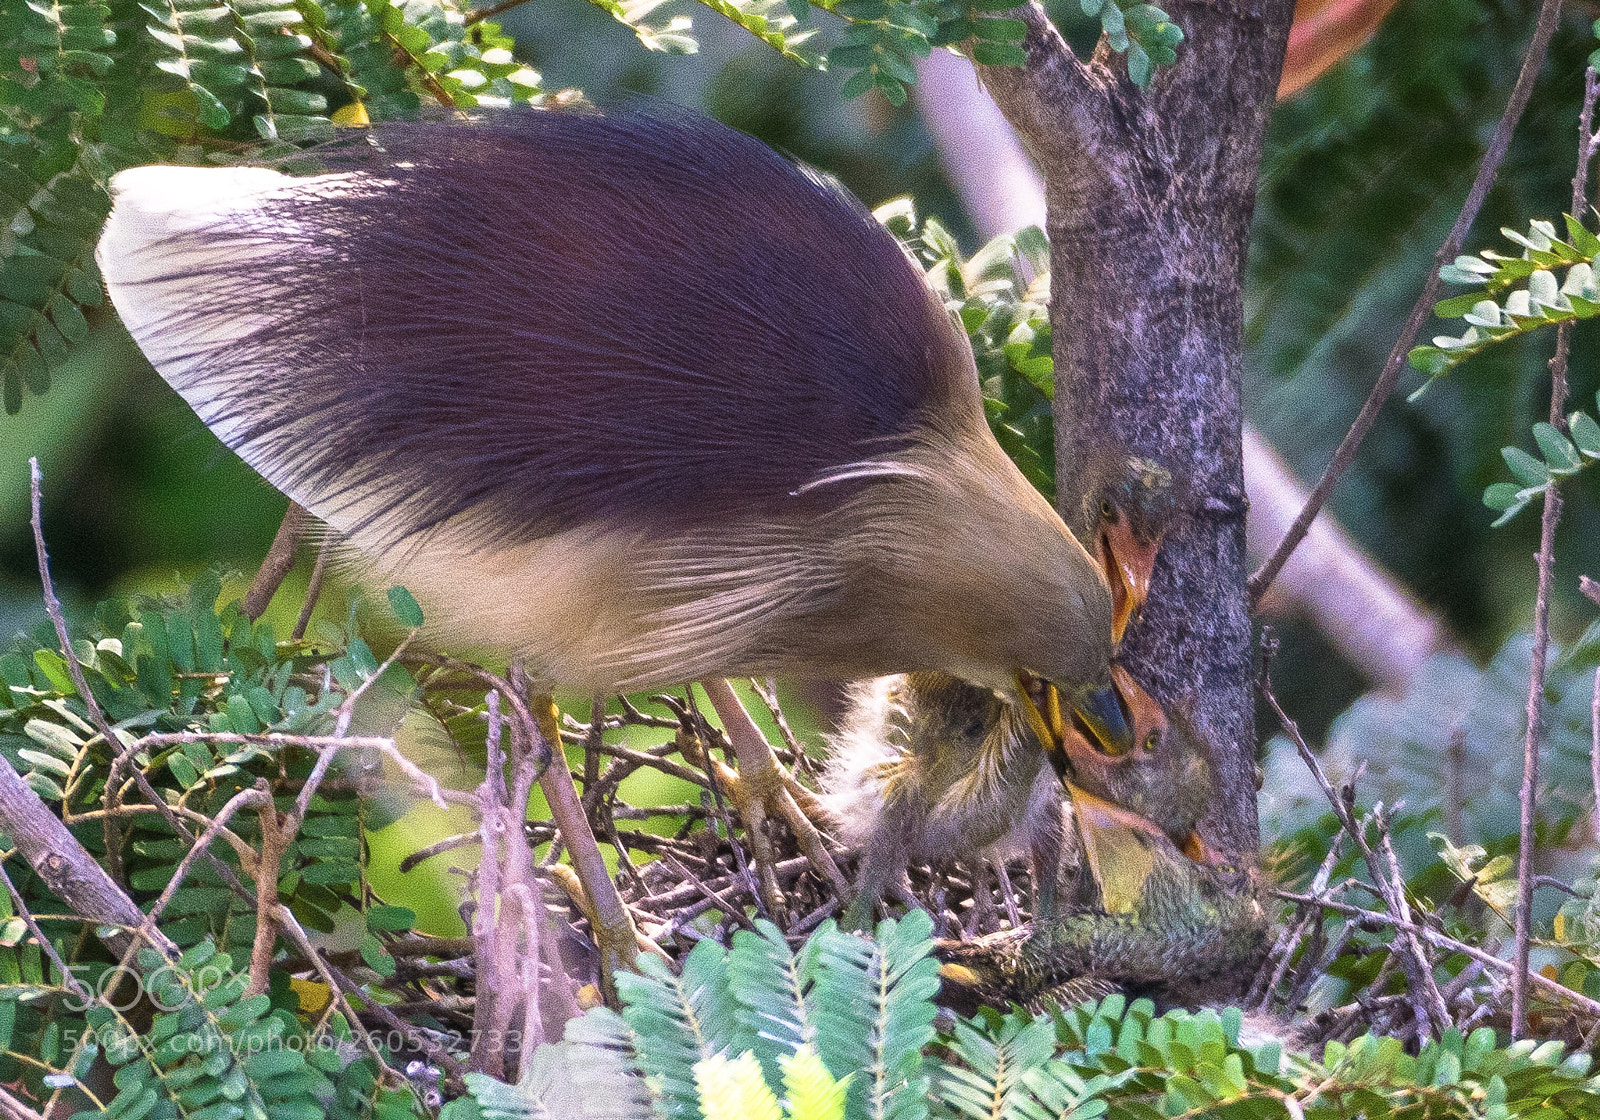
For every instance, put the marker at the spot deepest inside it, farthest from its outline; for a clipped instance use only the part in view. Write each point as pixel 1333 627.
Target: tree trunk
pixel 1150 195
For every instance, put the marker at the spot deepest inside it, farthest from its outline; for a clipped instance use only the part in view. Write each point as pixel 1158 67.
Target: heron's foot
pixel 762 788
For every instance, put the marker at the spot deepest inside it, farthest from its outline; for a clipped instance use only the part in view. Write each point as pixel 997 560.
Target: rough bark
pixel 1365 613
pixel 1149 195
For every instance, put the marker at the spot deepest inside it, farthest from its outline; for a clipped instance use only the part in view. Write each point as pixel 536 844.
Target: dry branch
pixel 278 562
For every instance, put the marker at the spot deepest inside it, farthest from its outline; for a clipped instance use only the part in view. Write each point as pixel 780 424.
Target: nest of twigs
pixel 705 869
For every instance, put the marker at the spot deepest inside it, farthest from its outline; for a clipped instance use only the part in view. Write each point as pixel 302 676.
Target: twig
pixel 1590 589
pixel 278 562
pixel 276 836
pixel 1439 940
pixel 1594 756
pixel 1488 168
pixel 710 895
pixel 768 692
pixel 52 607
pixel 313 590
pixel 20 905
pixel 97 715
pixel 670 900
pixel 425 782
pixel 491 1014
pixel 218 825
pixel 1533 731
pixel 13 1109
pixel 1419 971
pixel 1262 991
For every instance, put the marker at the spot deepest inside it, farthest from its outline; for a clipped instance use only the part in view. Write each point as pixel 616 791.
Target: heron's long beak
pixel 1129 564
pixel 1097 714
pixel 1146 721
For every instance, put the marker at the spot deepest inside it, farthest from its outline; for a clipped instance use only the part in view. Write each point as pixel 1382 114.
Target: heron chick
pixel 927 764
pixel 627 396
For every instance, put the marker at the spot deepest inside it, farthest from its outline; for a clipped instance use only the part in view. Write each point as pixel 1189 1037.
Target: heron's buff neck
pixel 1015 589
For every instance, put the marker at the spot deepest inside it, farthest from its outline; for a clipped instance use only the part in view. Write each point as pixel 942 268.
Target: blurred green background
pixel 1363 174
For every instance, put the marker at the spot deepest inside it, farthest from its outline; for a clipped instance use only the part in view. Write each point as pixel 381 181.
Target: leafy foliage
pixel 1561 455
pixel 1001 296
pixel 1112 1058
pixel 1516 294
pixel 864 1010
pixel 185 668
pixel 89 88
pixel 1143 31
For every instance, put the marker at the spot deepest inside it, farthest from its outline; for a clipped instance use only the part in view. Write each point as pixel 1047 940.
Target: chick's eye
pixel 1108 511
pixel 1152 740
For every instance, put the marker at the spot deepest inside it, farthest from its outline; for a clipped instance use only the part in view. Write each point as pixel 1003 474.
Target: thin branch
pixel 710 895
pixel 1594 756
pixel 313 590
pixel 1557 992
pixel 52 607
pixel 20 906
pixel 1488 168
pixel 278 562
pixel 1534 716
pixel 13 1109
pixel 275 840
pixel 1430 1005
pixel 97 715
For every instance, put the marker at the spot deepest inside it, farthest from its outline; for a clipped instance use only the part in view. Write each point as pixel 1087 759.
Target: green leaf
pixel 1559 453
pixel 1528 470
pixel 1502 495
pixel 405 607
pixel 1585 433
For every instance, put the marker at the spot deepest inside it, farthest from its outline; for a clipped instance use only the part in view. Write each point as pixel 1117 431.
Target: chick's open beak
pixel 1099 712
pixel 1128 563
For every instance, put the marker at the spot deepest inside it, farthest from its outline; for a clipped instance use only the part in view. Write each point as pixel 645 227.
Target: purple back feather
pixel 559 318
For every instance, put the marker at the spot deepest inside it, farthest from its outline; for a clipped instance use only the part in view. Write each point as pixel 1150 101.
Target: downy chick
pixel 928 765
pixel 1149 921
pixel 934 767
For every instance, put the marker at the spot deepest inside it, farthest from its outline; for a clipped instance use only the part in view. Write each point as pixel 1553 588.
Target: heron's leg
pixel 764 788
pixel 1046 853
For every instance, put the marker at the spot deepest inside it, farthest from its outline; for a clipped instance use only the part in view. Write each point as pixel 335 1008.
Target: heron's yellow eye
pixel 1152 740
